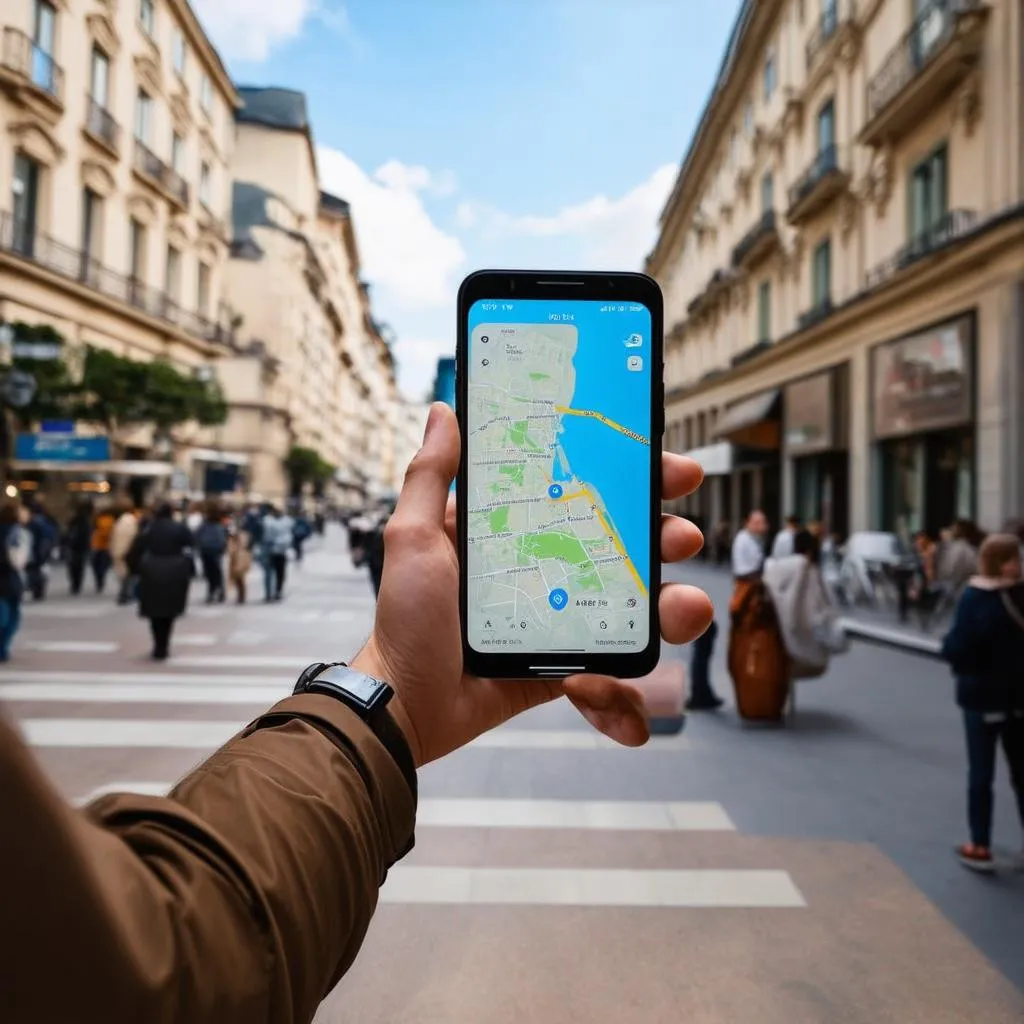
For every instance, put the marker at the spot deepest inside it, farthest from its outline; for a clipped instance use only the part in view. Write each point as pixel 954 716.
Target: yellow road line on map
pixel 615 540
pixel 590 414
pixel 572 497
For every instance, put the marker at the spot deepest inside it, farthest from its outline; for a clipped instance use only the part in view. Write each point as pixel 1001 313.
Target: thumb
pixel 431 472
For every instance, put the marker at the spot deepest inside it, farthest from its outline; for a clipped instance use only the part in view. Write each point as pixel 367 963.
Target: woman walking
pixel 162 559
pixel 14 554
pixel 101 560
pixel 985 648
pixel 211 540
pixel 239 560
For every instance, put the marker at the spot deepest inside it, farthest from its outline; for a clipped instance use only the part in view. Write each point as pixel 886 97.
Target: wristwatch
pixel 368 698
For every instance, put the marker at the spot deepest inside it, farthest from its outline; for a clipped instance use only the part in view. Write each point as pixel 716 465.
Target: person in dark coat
pixel 162 559
pixel 78 539
pixel 985 649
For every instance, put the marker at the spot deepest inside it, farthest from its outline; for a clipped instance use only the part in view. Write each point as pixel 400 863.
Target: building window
pixel 929 198
pixel 143 115
pixel 203 290
pixel 172 274
pixel 206 92
pixel 205 186
pixel 147 16
pixel 764 311
pixel 826 127
pixel 821 275
pixel 99 77
pixel 769 75
pixel 767 192
pixel 179 52
pixel 137 250
pixel 25 203
pixel 733 139
pixel 748 119
pixel 44 70
pixel 177 152
pixel 91 229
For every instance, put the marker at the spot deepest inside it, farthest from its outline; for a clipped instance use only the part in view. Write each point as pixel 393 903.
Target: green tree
pixel 305 466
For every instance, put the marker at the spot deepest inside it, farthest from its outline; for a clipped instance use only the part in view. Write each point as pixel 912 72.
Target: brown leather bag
pixel 758 662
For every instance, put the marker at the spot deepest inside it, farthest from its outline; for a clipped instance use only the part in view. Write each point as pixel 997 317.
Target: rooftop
pixel 284 109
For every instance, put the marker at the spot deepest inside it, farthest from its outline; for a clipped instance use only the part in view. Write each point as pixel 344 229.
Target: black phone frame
pixel 513 285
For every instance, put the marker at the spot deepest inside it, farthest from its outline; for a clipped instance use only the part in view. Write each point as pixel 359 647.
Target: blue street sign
pixel 558 599
pixel 61 448
pixel 57 426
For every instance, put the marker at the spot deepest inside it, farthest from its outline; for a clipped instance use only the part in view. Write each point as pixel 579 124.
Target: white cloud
pixel 243 30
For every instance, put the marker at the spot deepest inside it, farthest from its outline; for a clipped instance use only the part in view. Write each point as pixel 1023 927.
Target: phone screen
pixel 558 472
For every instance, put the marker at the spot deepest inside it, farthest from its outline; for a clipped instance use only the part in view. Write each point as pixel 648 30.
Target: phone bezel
pixel 585 286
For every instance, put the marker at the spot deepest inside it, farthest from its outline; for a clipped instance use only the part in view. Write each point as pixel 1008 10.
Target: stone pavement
pixel 722 875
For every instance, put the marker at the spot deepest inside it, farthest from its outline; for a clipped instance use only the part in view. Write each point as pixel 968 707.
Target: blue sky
pixel 473 133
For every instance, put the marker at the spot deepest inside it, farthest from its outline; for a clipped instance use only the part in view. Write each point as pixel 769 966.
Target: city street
pixel 728 874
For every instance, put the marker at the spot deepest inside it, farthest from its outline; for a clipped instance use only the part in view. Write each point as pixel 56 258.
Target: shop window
pixel 929 195
pixel 821 276
pixel 764 311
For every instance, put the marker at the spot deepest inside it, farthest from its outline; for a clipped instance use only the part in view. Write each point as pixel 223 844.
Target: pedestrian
pixel 15 548
pixel 985 649
pixel 103 527
pixel 757 657
pixel 162 559
pixel 278 531
pixel 78 541
pixel 782 546
pixel 702 694
pixel 122 537
pixel 211 541
pixel 808 621
pixel 239 560
pixel 45 536
pixel 246 894
pixel 301 532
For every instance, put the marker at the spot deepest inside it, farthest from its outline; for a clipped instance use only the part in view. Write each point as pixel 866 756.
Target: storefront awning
pixel 714 459
pixel 115 467
pixel 754 422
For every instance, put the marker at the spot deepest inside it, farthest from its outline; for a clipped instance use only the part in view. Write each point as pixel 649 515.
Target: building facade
pixel 842 258
pixel 311 369
pixel 116 131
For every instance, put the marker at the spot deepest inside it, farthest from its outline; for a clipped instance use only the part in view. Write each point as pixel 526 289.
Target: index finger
pixel 679 476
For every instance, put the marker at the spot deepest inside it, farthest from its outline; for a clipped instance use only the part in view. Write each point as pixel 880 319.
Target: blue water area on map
pixel 559 470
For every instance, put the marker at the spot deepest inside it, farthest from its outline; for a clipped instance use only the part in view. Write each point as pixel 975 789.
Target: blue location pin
pixel 558 599
pixel 555 491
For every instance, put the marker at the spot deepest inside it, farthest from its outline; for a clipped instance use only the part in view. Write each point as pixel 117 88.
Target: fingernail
pixel 432 418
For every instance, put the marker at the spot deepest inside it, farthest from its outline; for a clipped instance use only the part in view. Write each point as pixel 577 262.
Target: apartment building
pixel 308 370
pixel 115 135
pixel 842 257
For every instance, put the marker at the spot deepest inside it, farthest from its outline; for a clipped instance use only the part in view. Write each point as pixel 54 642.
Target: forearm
pixel 244 897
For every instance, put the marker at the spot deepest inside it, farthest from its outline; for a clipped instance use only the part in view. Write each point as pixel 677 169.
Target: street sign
pixel 61 448
pixel 18 388
pixel 40 350
pixel 57 426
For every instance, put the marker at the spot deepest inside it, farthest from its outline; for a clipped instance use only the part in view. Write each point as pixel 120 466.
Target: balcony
pixel 758 243
pixel 818 186
pixel 939 51
pixel 29 72
pixel 156 173
pixel 819 311
pixel 101 126
pixel 836 23
pixel 953 226
pixel 83 269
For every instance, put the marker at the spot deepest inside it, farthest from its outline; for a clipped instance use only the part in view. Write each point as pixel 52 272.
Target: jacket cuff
pixel 393 802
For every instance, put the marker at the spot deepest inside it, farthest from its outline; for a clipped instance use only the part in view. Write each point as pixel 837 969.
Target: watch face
pixel 360 687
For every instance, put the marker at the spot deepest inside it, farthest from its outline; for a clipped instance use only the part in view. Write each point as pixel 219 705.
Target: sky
pixel 469 134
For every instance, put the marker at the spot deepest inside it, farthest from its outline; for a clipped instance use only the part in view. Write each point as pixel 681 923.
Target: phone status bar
pixel 622 309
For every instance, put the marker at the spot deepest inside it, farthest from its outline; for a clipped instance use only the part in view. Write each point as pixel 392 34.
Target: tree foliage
pixel 115 391
pixel 305 466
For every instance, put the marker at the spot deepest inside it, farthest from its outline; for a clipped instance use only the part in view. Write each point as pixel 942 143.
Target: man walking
pixel 278 531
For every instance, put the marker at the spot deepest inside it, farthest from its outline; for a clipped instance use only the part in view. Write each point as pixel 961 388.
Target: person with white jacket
pixel 809 622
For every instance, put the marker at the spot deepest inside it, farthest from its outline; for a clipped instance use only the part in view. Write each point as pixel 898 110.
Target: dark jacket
pixel 79 533
pixel 243 897
pixel 161 558
pixel 12 588
pixel 985 648
pixel 212 538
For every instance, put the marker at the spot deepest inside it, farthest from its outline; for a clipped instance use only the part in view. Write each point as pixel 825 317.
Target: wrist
pixel 368 660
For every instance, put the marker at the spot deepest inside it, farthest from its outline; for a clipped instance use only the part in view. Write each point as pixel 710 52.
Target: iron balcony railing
pixel 930 31
pixel 821 310
pixel 948 229
pixel 17 237
pixel 100 123
pixel 25 57
pixel 764 226
pixel 824 164
pixel 176 185
pixel 149 164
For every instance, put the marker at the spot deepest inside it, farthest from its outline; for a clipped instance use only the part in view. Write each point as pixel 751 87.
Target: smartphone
pixel 561 402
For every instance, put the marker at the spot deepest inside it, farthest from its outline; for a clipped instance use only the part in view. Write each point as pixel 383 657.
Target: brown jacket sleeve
pixel 244 896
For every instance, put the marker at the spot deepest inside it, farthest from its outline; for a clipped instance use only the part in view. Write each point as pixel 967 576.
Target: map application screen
pixel 559 517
